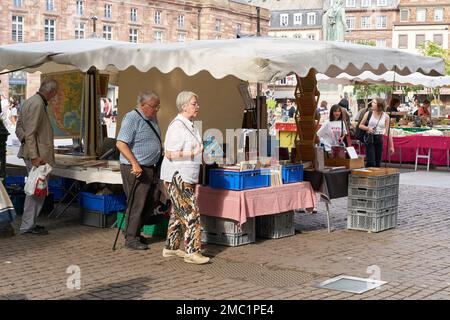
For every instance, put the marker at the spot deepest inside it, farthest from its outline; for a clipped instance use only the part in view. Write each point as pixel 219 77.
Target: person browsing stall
pixel 424 110
pixel 139 143
pixel 35 134
pixel 333 130
pixel 180 172
pixel 375 123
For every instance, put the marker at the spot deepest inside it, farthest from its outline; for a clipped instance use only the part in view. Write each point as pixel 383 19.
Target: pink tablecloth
pixel 240 205
pixel 405 149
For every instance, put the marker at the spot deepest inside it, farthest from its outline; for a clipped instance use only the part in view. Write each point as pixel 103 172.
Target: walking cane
pixel 129 204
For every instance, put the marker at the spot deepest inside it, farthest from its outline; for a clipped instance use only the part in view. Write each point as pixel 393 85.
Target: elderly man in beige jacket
pixel 35 133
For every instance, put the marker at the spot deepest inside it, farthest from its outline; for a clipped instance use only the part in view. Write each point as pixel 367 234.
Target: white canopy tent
pixel 389 77
pixel 198 65
pixel 260 59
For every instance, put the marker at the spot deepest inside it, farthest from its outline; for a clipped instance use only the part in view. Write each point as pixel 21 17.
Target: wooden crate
pixel 348 163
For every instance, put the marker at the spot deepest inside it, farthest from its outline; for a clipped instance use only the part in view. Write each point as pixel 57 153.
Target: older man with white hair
pixel 35 134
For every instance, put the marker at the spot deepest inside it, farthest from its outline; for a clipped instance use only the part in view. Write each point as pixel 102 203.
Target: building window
pixel 381 42
pixel 382 3
pixel 49 5
pixel 439 39
pixel 403 41
pixel 133 15
pixel 157 17
pixel 366 3
pixel 80 8
pixel 350 21
pixel 438 14
pixel 79 30
pixel 17 28
pixel 404 15
pixel 17 3
pixel 365 22
pixel 180 21
pixel 283 81
pixel 297 18
pixel 421 14
pixel 218 37
pixel 108 11
pixel 49 29
pixel 350 3
pixel 311 36
pixel 420 39
pixel 311 18
pixel 381 22
pixel 107 32
pixel 284 20
pixel 297 36
pixel 134 35
pixel 238 27
pixel 218 26
pixel 181 37
pixel 158 36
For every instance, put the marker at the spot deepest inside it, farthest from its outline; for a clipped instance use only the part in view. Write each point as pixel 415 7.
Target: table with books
pixel 239 205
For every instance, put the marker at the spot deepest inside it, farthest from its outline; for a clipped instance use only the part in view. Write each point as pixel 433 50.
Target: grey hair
pixel 184 97
pixel 48 85
pixel 145 96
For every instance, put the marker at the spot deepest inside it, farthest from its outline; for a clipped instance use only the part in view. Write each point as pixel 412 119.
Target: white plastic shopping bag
pixel 36 184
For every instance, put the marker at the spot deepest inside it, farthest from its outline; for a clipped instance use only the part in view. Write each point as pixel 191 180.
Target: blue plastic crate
pixel 235 180
pixel 292 173
pixel 12 181
pixel 58 192
pixel 57 182
pixel 106 203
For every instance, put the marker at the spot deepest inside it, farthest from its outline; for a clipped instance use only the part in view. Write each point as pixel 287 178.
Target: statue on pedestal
pixel 333 23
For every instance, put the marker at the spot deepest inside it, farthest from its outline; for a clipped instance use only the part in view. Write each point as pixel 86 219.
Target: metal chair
pixel 421 156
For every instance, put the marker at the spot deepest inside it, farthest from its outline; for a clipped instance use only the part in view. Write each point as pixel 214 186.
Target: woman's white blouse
pixel 182 136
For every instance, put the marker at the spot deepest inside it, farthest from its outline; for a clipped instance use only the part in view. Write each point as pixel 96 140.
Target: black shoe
pixel 39 227
pixel 144 240
pixel 136 245
pixel 38 231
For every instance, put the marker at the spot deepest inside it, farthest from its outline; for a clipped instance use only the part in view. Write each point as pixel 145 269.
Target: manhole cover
pixel 351 284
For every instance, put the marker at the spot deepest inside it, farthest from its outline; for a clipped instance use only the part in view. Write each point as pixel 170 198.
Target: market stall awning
pixel 259 59
pixel 389 77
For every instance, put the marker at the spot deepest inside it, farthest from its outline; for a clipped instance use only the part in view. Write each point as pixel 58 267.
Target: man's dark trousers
pixel 139 201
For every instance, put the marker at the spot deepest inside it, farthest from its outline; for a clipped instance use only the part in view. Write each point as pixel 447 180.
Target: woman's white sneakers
pixel 173 253
pixel 196 258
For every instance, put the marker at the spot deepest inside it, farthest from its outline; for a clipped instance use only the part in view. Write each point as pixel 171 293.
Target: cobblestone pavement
pixel 413 258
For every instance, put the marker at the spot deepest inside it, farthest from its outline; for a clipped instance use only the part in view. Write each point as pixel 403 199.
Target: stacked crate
pixel 307 98
pixel 275 226
pixel 373 200
pixel 227 232
pixel 98 210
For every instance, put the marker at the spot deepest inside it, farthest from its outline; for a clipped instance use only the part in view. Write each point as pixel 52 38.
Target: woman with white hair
pixel 180 172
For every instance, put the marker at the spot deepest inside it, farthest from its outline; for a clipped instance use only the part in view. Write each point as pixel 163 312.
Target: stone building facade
pixel 419 21
pixel 139 21
pixel 370 20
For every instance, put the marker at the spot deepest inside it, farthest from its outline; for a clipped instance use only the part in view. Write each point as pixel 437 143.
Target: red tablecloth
pixel 405 147
pixel 240 205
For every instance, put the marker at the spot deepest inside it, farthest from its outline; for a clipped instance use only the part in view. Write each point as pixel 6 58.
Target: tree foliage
pixel 432 49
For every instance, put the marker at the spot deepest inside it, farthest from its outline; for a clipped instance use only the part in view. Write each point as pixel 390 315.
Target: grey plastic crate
pixel 357 180
pixel 372 220
pixel 96 218
pixel 373 193
pixel 227 232
pixel 372 204
pixel 275 226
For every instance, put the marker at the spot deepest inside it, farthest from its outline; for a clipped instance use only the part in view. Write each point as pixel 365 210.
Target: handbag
pixel 369 138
